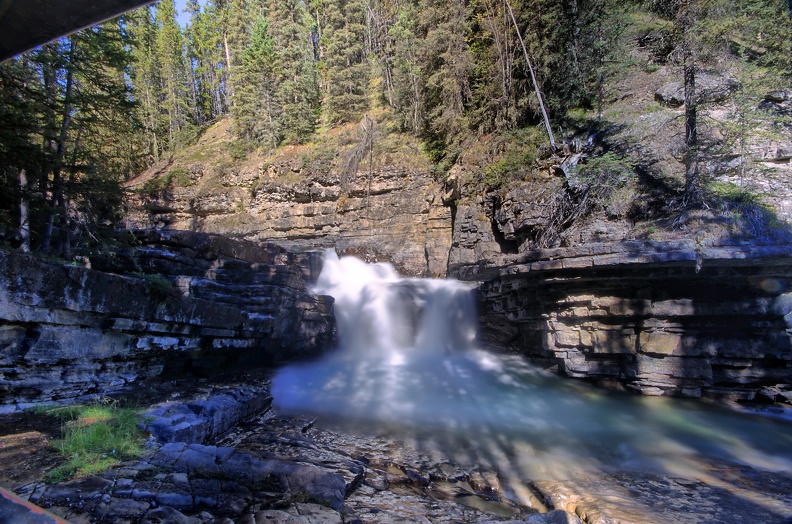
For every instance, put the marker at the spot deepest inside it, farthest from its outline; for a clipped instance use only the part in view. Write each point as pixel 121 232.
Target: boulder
pixel 710 88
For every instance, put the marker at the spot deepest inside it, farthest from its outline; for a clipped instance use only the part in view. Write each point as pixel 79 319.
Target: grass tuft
pixel 95 437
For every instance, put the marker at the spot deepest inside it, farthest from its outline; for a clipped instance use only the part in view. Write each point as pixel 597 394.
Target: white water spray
pixel 377 312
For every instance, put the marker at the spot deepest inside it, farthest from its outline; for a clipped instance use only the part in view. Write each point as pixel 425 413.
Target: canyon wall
pixel 654 317
pixel 195 303
pixel 395 214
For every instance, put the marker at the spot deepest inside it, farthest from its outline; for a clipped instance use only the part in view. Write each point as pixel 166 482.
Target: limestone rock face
pixel 68 331
pixel 659 318
pixel 396 214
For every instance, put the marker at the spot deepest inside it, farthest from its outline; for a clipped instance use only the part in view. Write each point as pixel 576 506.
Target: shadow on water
pixel 408 367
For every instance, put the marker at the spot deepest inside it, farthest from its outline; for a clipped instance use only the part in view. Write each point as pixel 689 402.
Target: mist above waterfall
pixel 407 361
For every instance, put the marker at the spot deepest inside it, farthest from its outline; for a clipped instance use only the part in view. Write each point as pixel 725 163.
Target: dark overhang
pixel 25 24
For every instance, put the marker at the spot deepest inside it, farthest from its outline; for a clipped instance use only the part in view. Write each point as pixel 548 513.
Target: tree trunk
pixel 692 183
pixel 230 94
pixel 24 219
pixel 57 180
pixel 692 196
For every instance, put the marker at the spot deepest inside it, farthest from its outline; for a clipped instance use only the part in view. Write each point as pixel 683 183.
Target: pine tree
pixel 70 109
pixel 255 107
pixel 499 82
pixel 169 52
pixel 569 43
pixel 687 18
pixel 147 81
pixel 297 91
pixel 206 52
pixel 402 54
pixel 346 71
pixel 447 66
pixel 20 154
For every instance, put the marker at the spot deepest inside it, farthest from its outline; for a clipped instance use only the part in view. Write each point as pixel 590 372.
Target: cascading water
pixel 408 362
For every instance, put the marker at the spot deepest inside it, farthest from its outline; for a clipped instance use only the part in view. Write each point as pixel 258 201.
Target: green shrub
pixel 238 149
pixel 603 173
pixel 180 176
pixel 522 150
pixel 318 161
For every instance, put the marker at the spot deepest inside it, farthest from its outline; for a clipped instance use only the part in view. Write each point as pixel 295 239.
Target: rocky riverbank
pixel 283 469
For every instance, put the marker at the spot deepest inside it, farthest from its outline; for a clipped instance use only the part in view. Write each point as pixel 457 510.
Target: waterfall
pixel 407 359
pixel 404 346
pixel 379 313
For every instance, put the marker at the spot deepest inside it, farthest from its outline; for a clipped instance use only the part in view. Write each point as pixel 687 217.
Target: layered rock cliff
pixel 385 207
pixel 654 317
pixel 68 331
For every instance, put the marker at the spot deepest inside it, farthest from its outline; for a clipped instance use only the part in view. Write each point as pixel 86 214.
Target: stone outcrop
pixel 709 88
pixel 68 331
pixel 395 214
pixel 203 420
pixel 656 317
pixel 182 479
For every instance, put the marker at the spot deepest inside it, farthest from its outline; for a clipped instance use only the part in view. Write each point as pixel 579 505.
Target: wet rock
pixel 118 510
pixel 554 517
pixel 299 514
pixel 166 515
pixel 75 491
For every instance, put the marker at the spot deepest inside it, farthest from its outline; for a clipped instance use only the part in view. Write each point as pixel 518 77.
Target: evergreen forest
pixel 81 115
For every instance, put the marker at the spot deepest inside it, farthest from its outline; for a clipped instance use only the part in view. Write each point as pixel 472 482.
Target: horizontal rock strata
pixel 196 302
pixel 396 214
pixel 659 318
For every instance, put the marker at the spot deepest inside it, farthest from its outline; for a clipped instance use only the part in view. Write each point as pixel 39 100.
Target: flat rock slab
pixel 186 478
pixel 728 494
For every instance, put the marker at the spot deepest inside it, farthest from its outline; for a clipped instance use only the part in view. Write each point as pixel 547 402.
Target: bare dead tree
pixel 533 79
pixel 24 218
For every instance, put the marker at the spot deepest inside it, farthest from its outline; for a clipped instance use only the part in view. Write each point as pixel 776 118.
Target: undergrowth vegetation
pixel 521 149
pixel 749 212
pixel 95 437
pixel 595 184
pixel 178 176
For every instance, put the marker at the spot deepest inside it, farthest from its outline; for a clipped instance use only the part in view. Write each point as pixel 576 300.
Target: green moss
pixel 160 286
